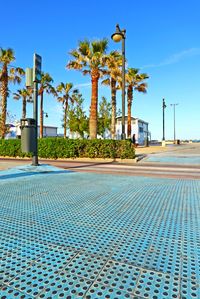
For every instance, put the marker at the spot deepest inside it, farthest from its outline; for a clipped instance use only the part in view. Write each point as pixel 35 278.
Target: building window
pixel 140 129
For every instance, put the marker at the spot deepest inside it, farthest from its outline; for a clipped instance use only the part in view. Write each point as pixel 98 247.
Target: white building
pixel 15 131
pixel 139 127
pixel 48 131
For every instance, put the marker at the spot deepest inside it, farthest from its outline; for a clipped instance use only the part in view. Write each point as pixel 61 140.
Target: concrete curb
pixel 99 160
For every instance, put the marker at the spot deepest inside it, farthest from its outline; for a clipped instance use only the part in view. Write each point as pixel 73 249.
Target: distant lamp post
pixel 174 105
pixel 118 36
pixel 45 114
pixel 42 123
pixel 163 107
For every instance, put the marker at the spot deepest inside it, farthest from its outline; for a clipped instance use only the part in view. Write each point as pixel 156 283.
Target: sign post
pixel 37 74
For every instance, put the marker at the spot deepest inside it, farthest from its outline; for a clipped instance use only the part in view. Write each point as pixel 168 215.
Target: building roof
pixel 18 125
pixel 49 127
pixel 132 118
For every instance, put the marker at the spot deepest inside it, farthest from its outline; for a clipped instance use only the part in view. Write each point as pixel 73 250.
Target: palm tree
pixel 45 86
pixel 135 82
pixel 113 62
pixel 26 95
pixel 6 76
pixel 68 93
pixel 88 58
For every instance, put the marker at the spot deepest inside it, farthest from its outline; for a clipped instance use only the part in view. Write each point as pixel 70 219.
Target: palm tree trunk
pixel 113 104
pixel 129 101
pixel 41 115
pixel 4 94
pixel 24 107
pixel 65 118
pixel 94 104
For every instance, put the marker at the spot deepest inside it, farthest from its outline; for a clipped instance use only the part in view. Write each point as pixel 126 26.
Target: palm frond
pixel 106 82
pixel 74 53
pixel 144 76
pixel 132 71
pixel 76 65
pixel 84 47
pixel 20 71
pixel 7 55
pixel 16 96
pixel 142 87
pixel 99 46
pixel 60 87
pixel 86 72
pixel 16 79
pixel 46 79
pixel 76 91
pixel 60 99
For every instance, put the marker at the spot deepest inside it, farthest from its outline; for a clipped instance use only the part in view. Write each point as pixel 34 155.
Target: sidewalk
pixel 65 234
pixel 193 148
pixel 174 154
pixel 141 152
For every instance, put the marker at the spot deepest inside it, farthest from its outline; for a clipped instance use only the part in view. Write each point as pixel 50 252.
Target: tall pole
pixel 174 105
pixel 35 116
pixel 174 124
pixel 118 36
pixel 37 74
pixel 163 106
pixel 147 135
pixel 123 86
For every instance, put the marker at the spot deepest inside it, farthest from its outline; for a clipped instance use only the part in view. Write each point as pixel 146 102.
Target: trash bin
pixel 28 133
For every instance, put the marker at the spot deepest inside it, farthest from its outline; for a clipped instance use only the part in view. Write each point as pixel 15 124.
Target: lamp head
pixel 45 114
pixel 118 35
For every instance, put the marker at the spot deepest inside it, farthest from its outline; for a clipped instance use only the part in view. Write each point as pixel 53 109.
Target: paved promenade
pixel 73 232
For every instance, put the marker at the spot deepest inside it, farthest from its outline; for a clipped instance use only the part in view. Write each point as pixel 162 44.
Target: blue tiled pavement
pixel 184 160
pixel 86 235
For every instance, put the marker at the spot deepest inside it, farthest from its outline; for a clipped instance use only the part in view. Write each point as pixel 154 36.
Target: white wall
pixel 138 127
pixel 49 131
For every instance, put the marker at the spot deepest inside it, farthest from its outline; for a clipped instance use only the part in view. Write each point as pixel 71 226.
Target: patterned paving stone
pixel 81 235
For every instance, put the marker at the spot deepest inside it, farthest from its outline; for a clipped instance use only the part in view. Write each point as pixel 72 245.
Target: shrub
pixel 55 148
pixel 12 148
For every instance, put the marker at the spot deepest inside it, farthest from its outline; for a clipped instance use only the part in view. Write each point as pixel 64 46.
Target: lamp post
pixel 118 36
pixel 46 115
pixel 174 105
pixel 42 122
pixel 37 65
pixel 164 106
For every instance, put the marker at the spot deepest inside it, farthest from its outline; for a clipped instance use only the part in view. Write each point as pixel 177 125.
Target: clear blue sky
pixel 162 40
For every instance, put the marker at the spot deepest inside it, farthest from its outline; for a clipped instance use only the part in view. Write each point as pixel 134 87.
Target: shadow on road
pixel 27 174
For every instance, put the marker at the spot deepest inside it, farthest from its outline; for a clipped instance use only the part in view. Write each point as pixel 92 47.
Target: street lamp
pixel 174 105
pixel 45 113
pixel 164 106
pixel 42 122
pixel 118 36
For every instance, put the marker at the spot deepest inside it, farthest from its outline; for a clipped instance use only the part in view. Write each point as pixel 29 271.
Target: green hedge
pixel 72 148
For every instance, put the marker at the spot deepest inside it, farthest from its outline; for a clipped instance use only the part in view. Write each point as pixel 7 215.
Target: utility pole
pixel 174 105
pixel 164 106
